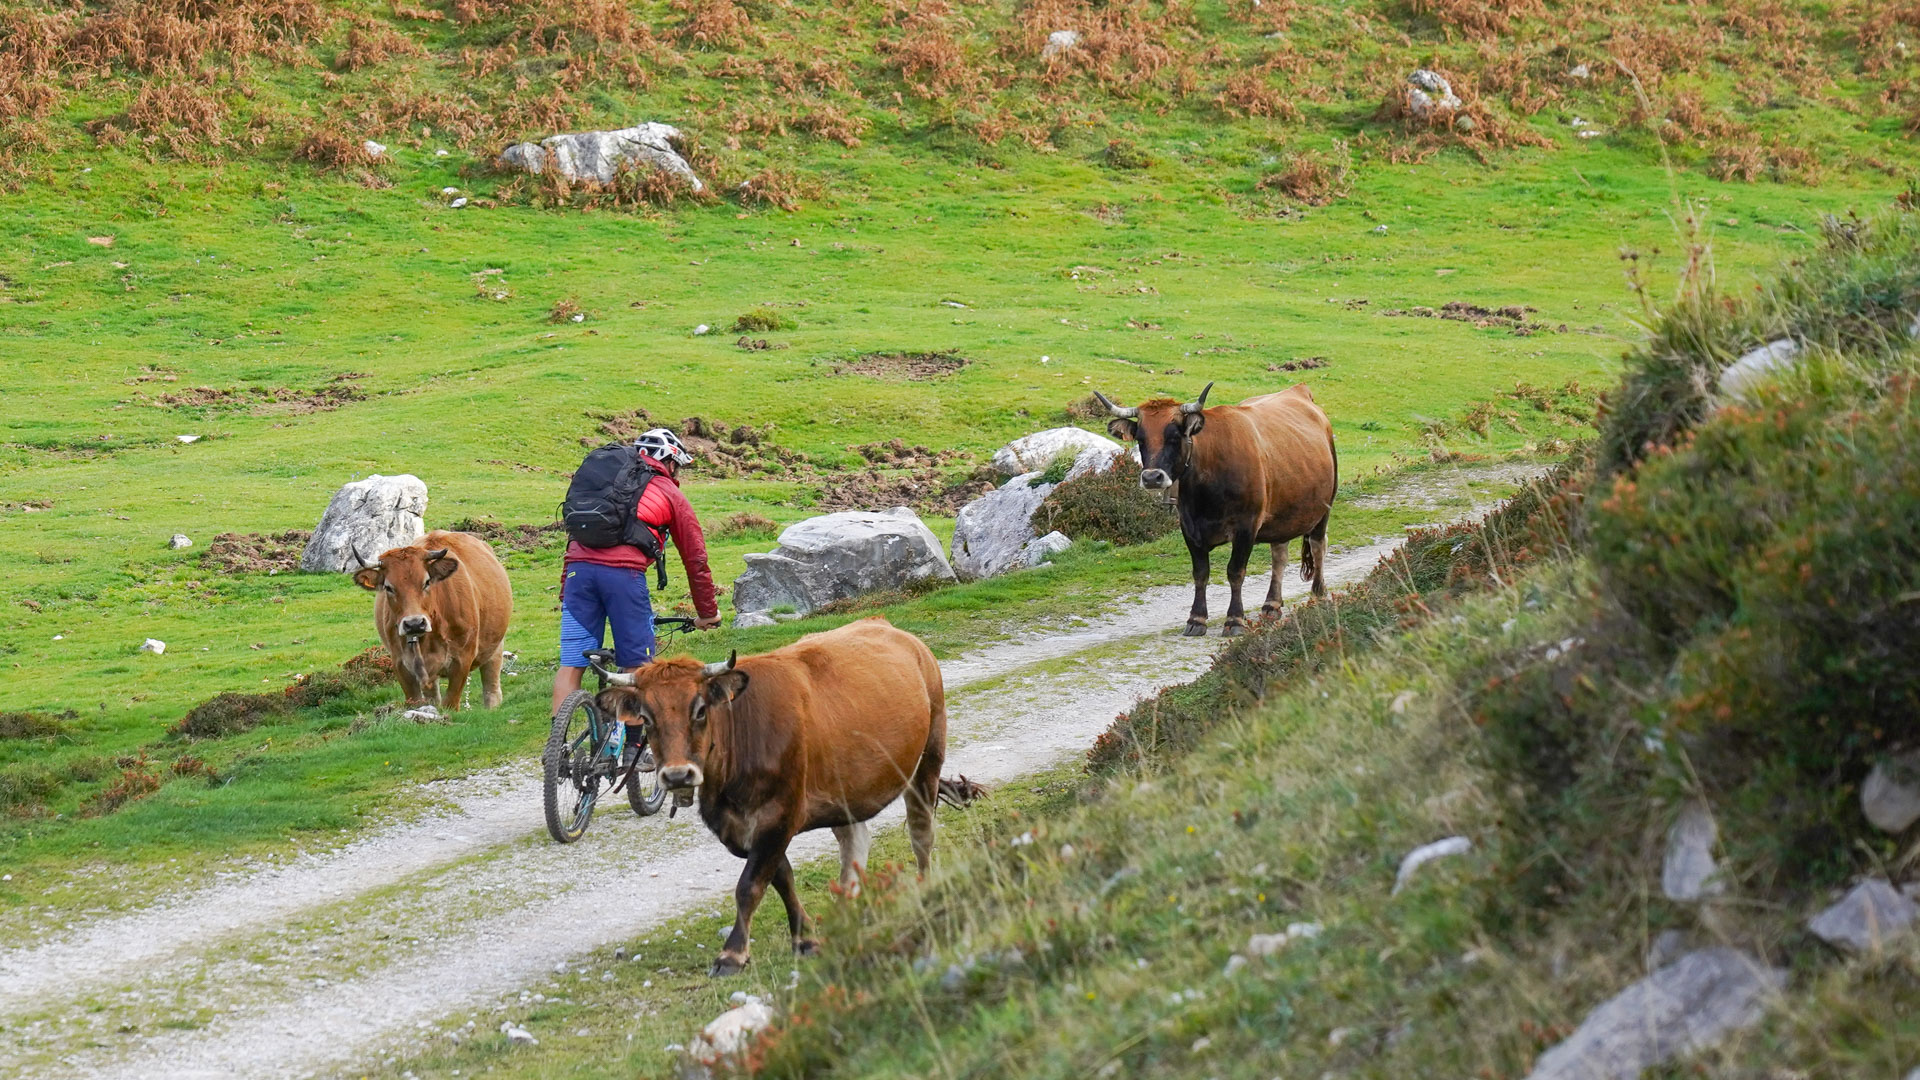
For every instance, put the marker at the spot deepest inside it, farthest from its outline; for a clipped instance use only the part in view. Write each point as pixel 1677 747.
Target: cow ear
pixel 442 569
pixel 369 577
pixel 1123 430
pixel 726 686
pixel 1193 422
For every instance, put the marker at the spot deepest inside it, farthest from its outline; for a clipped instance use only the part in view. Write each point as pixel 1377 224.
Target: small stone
pixel 1058 42
pixel 1420 856
pixel 458 203
pixel 1380 230
pixel 1872 914
pixel 449 191
pixel 186 438
pixel 1890 796
pixel 1688 872
pixel 374 149
pixel 1234 964
pixel 519 1036
pixel 440 153
pixel 1742 376
pixel 1579 71
pixel 179 541
pixel 152 645
pixel 702 330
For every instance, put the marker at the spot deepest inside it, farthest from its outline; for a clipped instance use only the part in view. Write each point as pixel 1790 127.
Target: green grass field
pixel 239 268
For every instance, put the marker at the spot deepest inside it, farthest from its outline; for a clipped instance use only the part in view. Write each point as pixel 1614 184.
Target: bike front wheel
pixel 645 793
pixel 573 773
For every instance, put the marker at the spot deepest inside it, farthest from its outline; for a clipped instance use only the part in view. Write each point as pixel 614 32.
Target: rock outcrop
pixel 1031 453
pixel 599 155
pixel 1740 378
pixel 991 533
pixel 365 518
pixel 838 556
pixel 1687 1006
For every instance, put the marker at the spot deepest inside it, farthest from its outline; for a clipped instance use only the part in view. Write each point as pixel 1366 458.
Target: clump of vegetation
pixel 1125 154
pixel 761 320
pixel 745 525
pixel 1313 178
pixel 565 310
pixel 138 779
pixel 231 713
pixel 35 725
pixel 1106 504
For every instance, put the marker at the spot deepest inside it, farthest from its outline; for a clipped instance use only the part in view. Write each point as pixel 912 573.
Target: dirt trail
pixel 332 957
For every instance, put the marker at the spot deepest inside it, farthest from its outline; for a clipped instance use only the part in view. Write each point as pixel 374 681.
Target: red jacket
pixel 663 504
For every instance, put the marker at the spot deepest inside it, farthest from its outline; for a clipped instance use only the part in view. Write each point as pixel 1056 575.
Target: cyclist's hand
pixel 706 624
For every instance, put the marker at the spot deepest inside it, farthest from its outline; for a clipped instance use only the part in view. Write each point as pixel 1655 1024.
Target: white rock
pixel 730 1033
pixel 1040 549
pixel 991 534
pixel 458 203
pixel 1058 42
pixel 598 155
pixel 1234 964
pixel 440 153
pixel 1034 452
pixel 1688 872
pixel 1890 796
pixel 1579 71
pixel 519 1036
pixel 837 556
pixel 179 540
pixel 1742 376
pixel 186 438
pixel 449 191
pixel 1866 919
pixel 1689 1005
pixel 1426 853
pixel 365 518
pixel 374 149
pixel 424 712
pixel 1430 96
pixel 1271 944
pixel 702 330
pixel 1096 458
pixel 747 620
pixel 1380 230
pixel 154 646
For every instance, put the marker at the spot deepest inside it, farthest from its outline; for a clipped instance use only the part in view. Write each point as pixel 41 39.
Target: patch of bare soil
pixel 1300 363
pixel 895 366
pixel 256 553
pixel 720 449
pixel 30 506
pixel 265 401
pixel 929 490
pixel 513 537
pixel 1514 317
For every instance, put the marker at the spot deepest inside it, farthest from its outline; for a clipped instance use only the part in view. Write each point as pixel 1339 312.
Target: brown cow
pixel 823 733
pixel 1263 471
pixel 443 607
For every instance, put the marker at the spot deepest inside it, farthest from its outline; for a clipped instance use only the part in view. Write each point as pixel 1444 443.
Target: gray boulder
pixel 598 155
pixel 1890 797
pixel 1031 453
pixel 1688 872
pixel 747 620
pixel 1039 550
pixel 837 556
pixel 1430 97
pixel 1687 1006
pixel 991 533
pixel 1058 42
pixel 364 519
pixel 1867 918
pixel 1743 376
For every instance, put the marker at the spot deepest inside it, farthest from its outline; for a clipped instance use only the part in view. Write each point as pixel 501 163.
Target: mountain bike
pixel 582 762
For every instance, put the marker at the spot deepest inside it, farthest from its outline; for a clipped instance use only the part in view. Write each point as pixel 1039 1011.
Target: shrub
pixel 745 525
pixel 27 786
pixel 137 780
pixel 33 725
pixel 1107 504
pixel 1125 154
pixel 1313 178
pixel 762 319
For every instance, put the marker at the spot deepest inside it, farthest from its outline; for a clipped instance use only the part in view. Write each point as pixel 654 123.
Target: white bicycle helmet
pixel 663 445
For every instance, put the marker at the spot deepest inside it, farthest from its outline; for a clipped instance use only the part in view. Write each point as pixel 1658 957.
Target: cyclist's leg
pixel 583 626
pixel 630 611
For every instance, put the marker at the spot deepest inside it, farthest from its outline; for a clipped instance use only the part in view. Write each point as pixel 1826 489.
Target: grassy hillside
pixel 1192 193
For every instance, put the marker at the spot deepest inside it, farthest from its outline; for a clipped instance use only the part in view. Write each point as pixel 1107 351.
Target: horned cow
pixel 1263 471
pixel 441 607
pixel 820 734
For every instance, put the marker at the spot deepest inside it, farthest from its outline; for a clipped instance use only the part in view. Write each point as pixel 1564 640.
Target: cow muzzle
pixel 1155 479
pixel 414 627
pixel 678 777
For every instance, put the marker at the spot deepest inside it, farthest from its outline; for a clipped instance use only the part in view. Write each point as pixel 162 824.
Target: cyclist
pixel 609 585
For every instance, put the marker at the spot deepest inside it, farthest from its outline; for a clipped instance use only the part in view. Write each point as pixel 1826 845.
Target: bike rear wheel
pixel 572 769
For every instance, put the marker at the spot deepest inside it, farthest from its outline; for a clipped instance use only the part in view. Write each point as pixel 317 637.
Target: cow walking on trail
pixel 441 606
pixel 1260 472
pixel 823 733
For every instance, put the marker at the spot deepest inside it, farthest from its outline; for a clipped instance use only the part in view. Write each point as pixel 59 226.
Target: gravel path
pixel 455 908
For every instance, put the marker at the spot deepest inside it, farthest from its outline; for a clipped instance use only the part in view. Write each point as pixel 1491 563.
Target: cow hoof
pixel 1234 628
pixel 726 965
pixel 806 947
pixel 1195 629
pixel 1270 611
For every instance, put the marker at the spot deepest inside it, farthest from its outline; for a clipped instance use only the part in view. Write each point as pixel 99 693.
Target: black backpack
pixel 602 501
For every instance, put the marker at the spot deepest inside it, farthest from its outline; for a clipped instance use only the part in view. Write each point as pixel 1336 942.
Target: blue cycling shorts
pixel 595 596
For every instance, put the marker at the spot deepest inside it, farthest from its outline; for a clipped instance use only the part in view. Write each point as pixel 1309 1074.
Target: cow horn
pixel 440 553
pixel 619 678
pixel 720 667
pixel 357 557
pixel 1192 407
pixel 1121 411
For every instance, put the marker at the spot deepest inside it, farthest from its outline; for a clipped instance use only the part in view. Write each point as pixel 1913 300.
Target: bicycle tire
pixel 648 803
pixel 570 826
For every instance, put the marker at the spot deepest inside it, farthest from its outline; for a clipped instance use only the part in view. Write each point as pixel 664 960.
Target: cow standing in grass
pixel 1260 472
pixel 442 605
pixel 823 733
